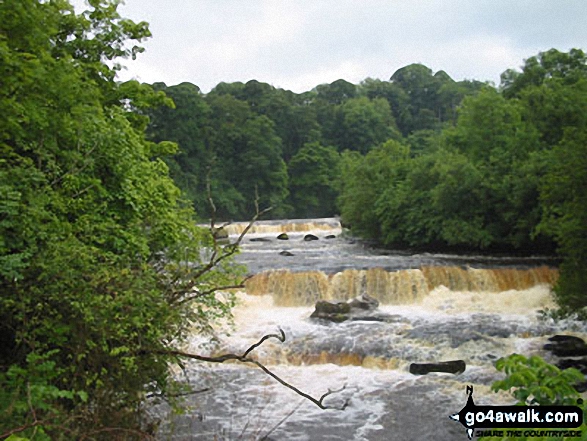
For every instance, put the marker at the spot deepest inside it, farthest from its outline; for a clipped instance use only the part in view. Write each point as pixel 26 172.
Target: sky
pixel 299 44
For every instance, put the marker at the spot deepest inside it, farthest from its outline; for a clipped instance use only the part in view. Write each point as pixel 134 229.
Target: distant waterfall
pixel 391 287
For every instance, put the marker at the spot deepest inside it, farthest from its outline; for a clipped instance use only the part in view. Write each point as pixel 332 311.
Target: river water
pixel 442 307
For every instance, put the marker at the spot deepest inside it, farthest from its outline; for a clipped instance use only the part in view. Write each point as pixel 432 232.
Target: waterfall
pixel 391 287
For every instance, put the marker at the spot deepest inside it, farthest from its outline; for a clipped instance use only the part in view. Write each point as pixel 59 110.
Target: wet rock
pixel 570 346
pixel 260 239
pixel 285 253
pixel 309 237
pixel 450 367
pixel 219 233
pixel 332 311
pixel 326 307
pixel 364 302
pixel 580 364
pixel 330 236
pixel 362 308
pixel 566 346
pixel 283 236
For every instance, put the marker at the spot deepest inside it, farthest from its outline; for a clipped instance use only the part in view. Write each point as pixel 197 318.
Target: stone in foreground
pixel 449 367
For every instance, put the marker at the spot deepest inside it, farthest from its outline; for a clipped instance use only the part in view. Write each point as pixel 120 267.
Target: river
pixel 442 307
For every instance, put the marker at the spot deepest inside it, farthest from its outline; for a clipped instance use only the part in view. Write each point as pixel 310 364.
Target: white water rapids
pixel 443 307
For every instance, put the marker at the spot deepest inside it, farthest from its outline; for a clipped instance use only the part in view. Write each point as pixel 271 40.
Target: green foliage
pixel 224 135
pixel 102 268
pixel 365 124
pixel 361 181
pixel 313 177
pixel 565 214
pixel 551 65
pixel 510 174
pixel 532 381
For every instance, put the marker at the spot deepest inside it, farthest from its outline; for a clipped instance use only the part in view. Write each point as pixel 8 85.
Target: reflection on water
pixel 438 311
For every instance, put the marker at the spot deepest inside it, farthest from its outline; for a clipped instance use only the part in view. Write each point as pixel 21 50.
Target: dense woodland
pixel 288 146
pixel 103 271
pixel 419 160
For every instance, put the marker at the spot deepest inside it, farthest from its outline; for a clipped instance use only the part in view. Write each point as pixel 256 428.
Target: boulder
pixel 364 302
pixel 362 308
pixel 450 367
pixel 566 346
pixel 326 307
pixel 331 311
pixel 309 237
pixel 219 233
pixel 283 236
pixel 285 253
pixel 570 346
pixel 579 364
pixel 330 236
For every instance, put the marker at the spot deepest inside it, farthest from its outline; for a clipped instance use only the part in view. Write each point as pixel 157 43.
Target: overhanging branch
pixel 245 358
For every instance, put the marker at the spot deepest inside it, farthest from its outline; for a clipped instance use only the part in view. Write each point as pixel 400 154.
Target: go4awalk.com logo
pixel 518 420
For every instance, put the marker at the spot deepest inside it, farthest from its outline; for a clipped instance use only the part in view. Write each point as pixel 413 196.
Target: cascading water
pixel 440 307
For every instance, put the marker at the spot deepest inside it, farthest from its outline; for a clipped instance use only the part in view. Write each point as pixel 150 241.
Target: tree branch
pixel 244 358
pixel 181 294
pixel 200 294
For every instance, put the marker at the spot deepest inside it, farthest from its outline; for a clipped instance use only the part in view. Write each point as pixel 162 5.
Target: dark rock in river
pixel 330 236
pixel 580 364
pixel 566 346
pixel 260 239
pixel 570 346
pixel 285 253
pixel 219 233
pixel 450 367
pixel 332 311
pixel 283 236
pixel 309 237
pixel 326 307
pixel 364 302
pixel 362 308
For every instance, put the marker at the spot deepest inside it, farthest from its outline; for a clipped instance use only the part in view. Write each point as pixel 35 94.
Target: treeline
pixel 511 173
pixel 416 161
pixel 254 139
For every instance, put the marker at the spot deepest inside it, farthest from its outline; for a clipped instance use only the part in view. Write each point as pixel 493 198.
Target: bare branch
pixel 210 200
pixel 244 358
pixel 280 337
pixel 218 254
pixel 200 294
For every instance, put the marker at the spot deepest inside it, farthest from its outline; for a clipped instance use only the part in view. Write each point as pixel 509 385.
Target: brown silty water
pixel 440 307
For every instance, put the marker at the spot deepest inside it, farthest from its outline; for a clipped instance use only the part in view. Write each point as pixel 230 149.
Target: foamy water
pixel 437 313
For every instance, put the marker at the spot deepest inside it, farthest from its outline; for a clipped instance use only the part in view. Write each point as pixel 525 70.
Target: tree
pixel 421 87
pixel 493 134
pixel 567 68
pixel 364 179
pixel 185 124
pixel 312 177
pixel 397 98
pixel 564 199
pixel 365 124
pixel 101 265
pixel 246 160
pixel 336 92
